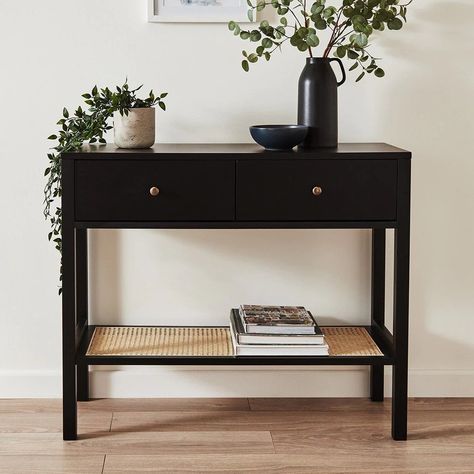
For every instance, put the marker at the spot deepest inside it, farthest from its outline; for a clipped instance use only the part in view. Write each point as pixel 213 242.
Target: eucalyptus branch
pixel 279 45
pixel 351 25
pixel 341 33
pixel 332 39
pixel 306 24
pixel 295 17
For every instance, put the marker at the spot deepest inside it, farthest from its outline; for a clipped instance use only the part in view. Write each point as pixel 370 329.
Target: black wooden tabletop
pixel 241 151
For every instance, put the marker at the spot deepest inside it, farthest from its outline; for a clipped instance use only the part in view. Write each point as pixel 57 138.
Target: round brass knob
pixel 317 191
pixel 154 191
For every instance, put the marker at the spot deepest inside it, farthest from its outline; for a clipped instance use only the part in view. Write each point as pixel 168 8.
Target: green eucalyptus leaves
pixel 352 24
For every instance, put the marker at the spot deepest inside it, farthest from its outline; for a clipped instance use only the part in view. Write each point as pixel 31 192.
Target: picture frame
pixel 197 11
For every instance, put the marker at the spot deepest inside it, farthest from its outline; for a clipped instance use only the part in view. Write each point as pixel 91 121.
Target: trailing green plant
pixel 352 24
pixel 88 124
pixel 123 99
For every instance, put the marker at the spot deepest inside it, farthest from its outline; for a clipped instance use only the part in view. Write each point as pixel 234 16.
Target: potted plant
pixel 134 127
pixel 134 118
pixel 352 24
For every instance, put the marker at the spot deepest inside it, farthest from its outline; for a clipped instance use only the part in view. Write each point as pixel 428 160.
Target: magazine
pixel 272 339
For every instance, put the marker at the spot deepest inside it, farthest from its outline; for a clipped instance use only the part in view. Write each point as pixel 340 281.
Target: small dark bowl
pixel 278 137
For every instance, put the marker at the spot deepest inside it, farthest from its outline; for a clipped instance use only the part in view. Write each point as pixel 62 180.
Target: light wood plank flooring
pixel 236 436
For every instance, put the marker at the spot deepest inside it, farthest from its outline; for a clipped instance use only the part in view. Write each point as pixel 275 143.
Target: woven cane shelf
pixel 161 341
pixel 208 342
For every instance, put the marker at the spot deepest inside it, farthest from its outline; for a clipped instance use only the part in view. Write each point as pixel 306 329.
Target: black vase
pixel 317 102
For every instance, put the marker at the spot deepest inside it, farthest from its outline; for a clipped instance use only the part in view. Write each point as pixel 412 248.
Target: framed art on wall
pixel 197 11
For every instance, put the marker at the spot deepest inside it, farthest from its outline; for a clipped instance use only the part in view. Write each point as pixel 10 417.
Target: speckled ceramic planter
pixel 135 130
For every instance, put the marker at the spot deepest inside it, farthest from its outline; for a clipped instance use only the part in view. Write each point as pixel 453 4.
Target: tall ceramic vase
pixel 135 130
pixel 317 102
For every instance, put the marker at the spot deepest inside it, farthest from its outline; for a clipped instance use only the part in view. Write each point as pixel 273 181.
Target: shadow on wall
pixel 430 108
pixel 434 51
pixel 138 274
pixel 105 275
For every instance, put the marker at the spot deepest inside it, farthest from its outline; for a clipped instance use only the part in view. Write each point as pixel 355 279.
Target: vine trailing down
pixel 86 125
pixel 352 24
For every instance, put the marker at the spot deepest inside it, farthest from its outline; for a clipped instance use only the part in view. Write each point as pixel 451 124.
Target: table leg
pixel 82 307
pixel 378 307
pixel 400 311
pixel 68 303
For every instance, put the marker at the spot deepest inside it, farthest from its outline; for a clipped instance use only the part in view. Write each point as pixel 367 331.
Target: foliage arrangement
pixel 87 124
pixel 352 23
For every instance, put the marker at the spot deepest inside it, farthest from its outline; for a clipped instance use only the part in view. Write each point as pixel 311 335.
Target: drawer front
pixel 189 190
pixel 283 190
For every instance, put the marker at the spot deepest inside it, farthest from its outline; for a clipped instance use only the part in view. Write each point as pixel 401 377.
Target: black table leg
pixel 82 307
pixel 378 307
pixel 376 383
pixel 400 311
pixel 69 304
pixel 82 382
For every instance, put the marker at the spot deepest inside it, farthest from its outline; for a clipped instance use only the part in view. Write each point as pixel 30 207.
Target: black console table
pixel 238 187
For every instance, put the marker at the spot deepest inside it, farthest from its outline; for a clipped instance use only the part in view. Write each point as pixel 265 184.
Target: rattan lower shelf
pixel 123 341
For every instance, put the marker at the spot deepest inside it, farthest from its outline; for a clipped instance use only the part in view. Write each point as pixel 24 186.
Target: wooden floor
pixel 236 435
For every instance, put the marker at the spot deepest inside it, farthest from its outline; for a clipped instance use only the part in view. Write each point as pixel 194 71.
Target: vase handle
pixel 342 70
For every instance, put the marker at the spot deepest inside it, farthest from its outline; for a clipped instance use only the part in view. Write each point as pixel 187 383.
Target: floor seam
pixel 103 464
pixel 273 443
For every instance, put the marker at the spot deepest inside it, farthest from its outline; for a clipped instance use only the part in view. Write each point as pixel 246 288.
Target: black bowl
pixel 278 137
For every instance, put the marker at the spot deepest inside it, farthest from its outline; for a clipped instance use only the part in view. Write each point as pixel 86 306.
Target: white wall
pixel 52 51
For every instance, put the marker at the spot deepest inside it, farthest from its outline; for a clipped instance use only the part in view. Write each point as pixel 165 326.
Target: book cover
pixel 276 319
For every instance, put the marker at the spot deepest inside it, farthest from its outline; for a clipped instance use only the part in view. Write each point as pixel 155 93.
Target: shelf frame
pixel 386 359
pixel 75 319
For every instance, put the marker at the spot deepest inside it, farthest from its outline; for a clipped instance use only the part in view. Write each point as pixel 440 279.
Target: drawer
pixel 189 190
pixel 352 190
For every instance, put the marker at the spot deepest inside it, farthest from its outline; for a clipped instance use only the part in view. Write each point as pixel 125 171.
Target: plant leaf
pixel 395 24
pixel 341 51
pixel 312 40
pixel 379 72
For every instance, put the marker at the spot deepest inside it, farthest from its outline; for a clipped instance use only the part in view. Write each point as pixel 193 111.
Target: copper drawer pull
pixel 317 191
pixel 154 191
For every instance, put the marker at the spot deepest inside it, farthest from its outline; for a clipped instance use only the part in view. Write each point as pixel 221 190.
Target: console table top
pixel 241 151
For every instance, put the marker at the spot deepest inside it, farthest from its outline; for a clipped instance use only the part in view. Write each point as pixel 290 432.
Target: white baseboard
pixel 30 384
pixel 439 383
pixel 142 382
pixel 237 382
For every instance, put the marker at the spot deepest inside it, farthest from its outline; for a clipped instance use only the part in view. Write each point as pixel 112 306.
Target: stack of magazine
pixel 276 331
